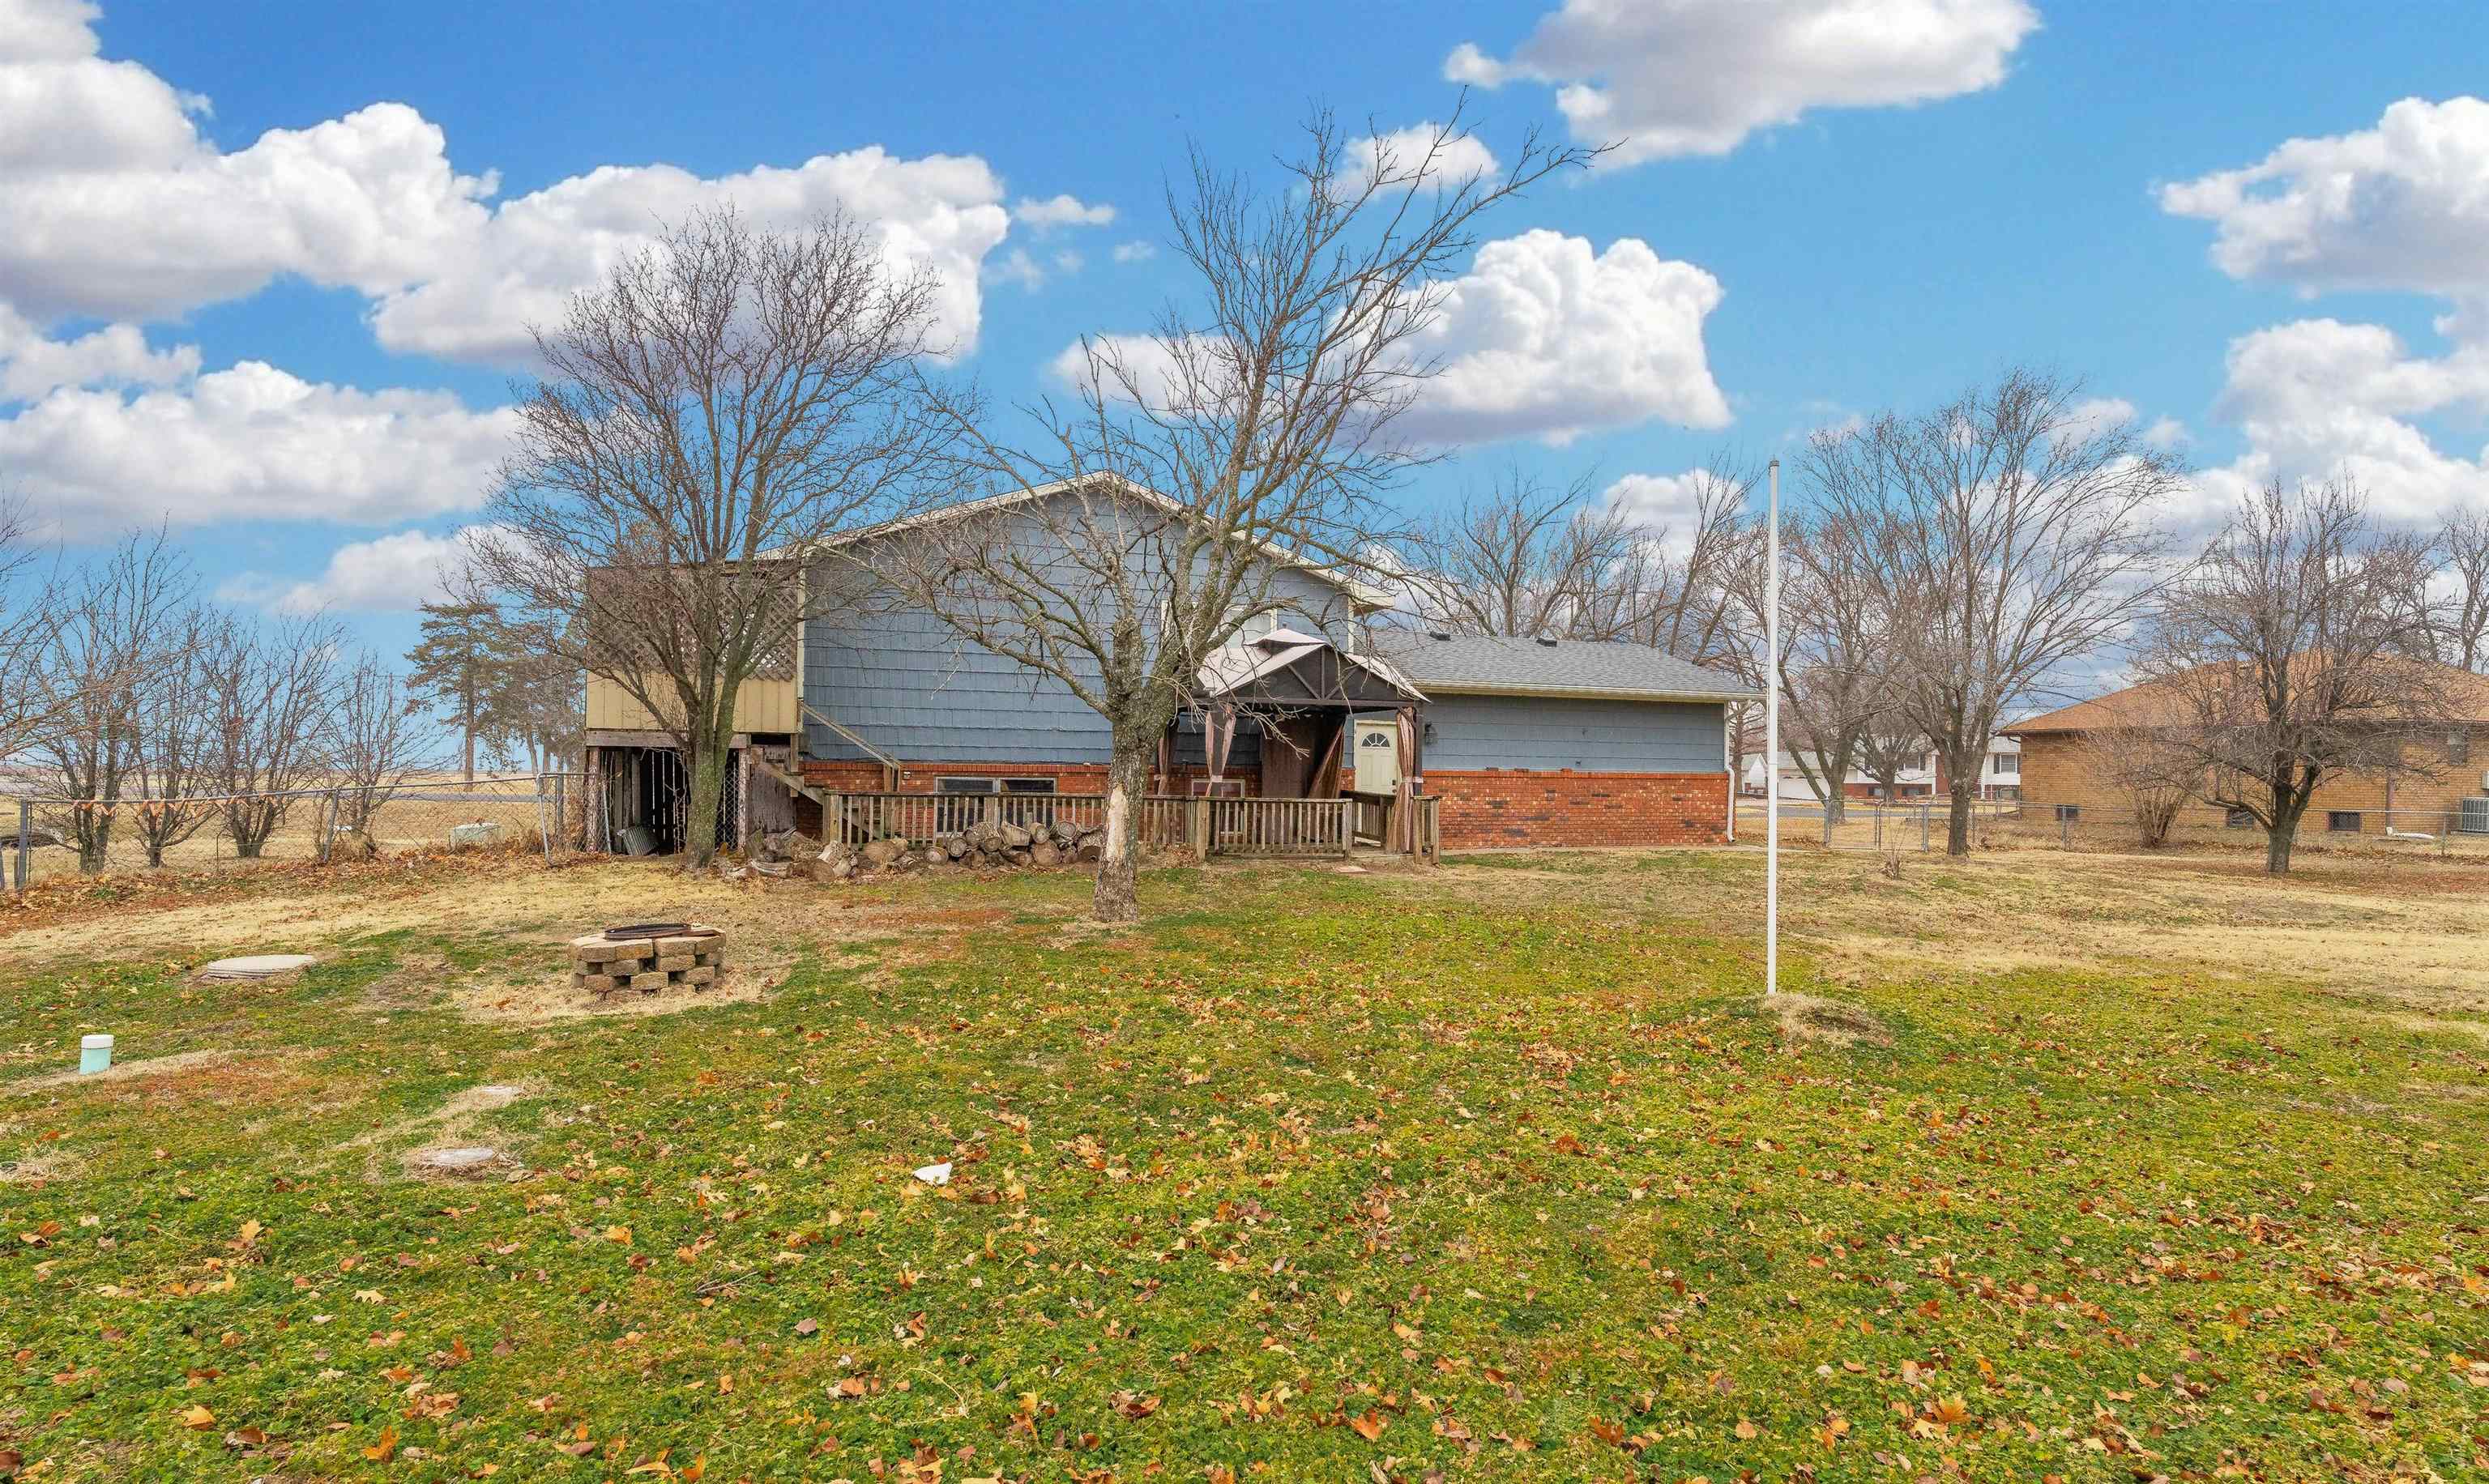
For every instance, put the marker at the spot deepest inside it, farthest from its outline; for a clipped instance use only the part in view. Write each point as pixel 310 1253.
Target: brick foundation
pixel 1511 806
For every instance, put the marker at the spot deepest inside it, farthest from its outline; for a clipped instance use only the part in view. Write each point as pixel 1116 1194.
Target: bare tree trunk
pixel 1117 897
pixel 708 788
pixel 1957 815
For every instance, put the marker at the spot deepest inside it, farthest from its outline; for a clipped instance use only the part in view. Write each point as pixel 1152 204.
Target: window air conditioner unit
pixel 2475 817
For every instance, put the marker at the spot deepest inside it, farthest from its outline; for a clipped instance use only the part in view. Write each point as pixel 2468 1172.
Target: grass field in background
pixel 1500 1172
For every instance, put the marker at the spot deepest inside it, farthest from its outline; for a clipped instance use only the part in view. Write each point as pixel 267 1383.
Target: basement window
pixel 2237 819
pixel 2343 821
pixel 995 785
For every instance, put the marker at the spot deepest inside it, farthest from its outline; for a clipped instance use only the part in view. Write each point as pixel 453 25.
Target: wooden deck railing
pixel 1279 826
pixel 1260 827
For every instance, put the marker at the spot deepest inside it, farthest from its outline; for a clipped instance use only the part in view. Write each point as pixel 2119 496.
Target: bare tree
pixel 1523 559
pixel 1196 467
pixel 1837 656
pixel 1682 588
pixel 269 690
pixel 2289 655
pixel 2151 764
pixel 113 627
pixel 2008 534
pixel 725 402
pixel 2462 620
pixel 177 750
pixel 374 743
pixel 29 609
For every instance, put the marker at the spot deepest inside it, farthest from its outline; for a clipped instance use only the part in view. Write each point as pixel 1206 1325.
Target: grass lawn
pixel 1502 1172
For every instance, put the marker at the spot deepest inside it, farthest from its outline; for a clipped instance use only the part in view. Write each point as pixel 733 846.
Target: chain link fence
pixel 45 837
pixel 1920 825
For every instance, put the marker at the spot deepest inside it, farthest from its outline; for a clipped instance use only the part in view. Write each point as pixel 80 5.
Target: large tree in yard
pixel 1250 432
pixel 724 403
pixel 2008 537
pixel 2294 652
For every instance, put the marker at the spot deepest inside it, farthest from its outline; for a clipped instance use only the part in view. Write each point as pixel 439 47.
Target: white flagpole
pixel 1772 742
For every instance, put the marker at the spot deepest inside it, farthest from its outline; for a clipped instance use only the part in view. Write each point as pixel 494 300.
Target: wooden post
pixel 25 842
pixel 1197 825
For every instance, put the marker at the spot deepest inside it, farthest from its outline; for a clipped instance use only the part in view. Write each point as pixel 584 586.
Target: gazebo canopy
pixel 1286 668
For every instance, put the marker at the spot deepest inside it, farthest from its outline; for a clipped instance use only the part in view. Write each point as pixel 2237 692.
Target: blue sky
pixel 1888 199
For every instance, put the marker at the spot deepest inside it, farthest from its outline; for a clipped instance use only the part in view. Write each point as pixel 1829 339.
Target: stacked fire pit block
pixel 691 959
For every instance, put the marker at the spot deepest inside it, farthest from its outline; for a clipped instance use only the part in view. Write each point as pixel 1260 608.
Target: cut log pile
pixel 987 844
pixel 691 959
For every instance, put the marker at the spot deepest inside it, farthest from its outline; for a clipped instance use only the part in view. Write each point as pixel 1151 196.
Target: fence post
pixel 1922 826
pixel 323 818
pixel 1197 826
pixel 25 842
pixel 1348 829
pixel 562 810
pixel 2065 829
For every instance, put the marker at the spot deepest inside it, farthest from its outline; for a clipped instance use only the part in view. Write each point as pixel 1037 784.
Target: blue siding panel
pixel 908 684
pixel 1587 736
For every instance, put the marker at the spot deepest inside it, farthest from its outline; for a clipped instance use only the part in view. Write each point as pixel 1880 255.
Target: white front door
pixel 1378 757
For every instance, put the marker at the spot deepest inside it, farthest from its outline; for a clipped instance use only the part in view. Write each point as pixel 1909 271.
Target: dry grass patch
pixel 1807 1017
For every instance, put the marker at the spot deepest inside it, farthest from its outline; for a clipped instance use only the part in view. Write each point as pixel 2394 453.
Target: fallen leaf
pixel 198 1419
pixel 381 1451
pixel 1370 1426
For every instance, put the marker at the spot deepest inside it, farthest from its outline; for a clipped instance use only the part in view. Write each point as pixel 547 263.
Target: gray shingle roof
pixel 1530 666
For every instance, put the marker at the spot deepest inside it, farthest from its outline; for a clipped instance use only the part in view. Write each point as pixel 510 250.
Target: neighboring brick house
pixel 2062 771
pixel 1525 741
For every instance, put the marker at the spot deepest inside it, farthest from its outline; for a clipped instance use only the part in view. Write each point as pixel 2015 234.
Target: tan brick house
pixel 2061 770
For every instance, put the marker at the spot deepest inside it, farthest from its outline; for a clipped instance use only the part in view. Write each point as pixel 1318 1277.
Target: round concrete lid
pixel 464 1158
pixel 257 965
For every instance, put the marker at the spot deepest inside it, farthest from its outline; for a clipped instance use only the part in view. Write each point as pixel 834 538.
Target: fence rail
pixel 55 836
pixel 1255 827
pixel 2031 823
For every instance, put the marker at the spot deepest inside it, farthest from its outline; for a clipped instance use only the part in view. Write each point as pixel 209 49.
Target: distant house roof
pixel 1479 666
pixel 2145 705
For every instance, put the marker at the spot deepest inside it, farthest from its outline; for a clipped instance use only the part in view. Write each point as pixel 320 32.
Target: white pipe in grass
pixel 95 1054
pixel 1772 744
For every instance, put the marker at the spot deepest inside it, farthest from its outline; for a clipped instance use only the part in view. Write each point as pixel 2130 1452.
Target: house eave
pixel 1579 692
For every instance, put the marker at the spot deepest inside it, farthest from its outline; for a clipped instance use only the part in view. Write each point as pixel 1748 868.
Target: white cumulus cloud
pixel 2400 207
pixel 2315 398
pixel 1541 338
pixel 1462 158
pixel 1061 210
pixel 2403 206
pixel 1544 337
pixel 1669 77
pixel 523 261
pixel 32 363
pixel 117 206
pixel 390 574
pixel 249 441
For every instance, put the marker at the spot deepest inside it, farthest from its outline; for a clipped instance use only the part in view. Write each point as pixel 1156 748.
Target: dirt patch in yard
pixel 1806 1018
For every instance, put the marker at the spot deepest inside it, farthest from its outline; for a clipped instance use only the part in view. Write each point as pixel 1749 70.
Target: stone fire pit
pixel 689 958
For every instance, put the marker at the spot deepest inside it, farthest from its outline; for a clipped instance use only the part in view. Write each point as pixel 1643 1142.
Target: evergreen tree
pixel 458 667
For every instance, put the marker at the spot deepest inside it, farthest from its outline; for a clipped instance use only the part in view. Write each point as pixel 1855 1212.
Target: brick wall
pixel 1511 806
pixel 2059 768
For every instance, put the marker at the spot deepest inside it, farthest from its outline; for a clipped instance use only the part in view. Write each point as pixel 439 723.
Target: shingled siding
pixel 910 686
pixel 1486 808
pixel 1549 733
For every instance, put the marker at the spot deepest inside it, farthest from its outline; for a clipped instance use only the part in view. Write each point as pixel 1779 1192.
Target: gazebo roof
pixel 1289 668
